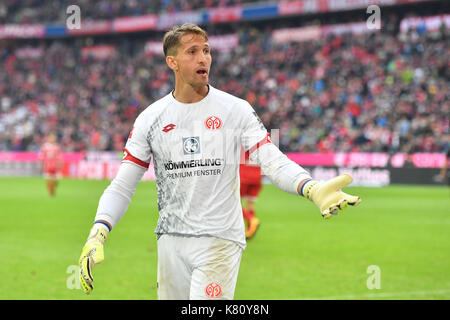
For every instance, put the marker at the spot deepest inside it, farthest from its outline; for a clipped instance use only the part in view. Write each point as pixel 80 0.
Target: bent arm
pixel 117 196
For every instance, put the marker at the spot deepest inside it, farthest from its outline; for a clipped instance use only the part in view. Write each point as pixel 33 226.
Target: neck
pixel 190 94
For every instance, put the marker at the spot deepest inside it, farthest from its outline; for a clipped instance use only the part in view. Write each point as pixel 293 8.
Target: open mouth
pixel 202 72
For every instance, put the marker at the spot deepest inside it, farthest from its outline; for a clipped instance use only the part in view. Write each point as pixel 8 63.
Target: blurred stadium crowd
pixel 39 11
pixel 379 92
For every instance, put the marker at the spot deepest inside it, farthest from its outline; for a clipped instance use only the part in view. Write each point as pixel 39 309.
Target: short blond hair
pixel 171 40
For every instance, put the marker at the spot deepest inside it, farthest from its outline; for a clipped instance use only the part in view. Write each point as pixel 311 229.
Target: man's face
pixel 193 60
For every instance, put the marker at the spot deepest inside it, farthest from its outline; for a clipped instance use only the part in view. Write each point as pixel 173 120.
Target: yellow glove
pixel 92 254
pixel 327 195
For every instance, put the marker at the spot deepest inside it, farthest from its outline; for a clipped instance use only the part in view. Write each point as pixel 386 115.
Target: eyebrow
pixel 196 46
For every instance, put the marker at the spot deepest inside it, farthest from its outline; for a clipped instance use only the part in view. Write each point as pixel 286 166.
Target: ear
pixel 172 63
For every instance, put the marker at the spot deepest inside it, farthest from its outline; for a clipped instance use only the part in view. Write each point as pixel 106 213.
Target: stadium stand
pixel 39 11
pixel 379 91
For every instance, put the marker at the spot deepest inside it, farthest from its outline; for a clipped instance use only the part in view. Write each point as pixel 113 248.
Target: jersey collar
pixel 194 103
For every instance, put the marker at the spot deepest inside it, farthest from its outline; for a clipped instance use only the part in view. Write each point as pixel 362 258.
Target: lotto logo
pixel 213 123
pixel 213 290
pixel 168 127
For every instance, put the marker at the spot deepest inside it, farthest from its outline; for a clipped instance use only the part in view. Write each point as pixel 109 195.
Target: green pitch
pixel 404 231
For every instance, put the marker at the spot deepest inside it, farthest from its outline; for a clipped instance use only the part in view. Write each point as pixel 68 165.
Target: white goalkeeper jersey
pixel 196 153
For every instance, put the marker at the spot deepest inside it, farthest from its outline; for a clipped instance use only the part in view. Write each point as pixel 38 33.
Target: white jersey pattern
pixel 196 153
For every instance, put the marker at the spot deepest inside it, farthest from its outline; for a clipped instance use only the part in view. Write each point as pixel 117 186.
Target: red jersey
pixel 51 157
pixel 250 176
pixel 249 173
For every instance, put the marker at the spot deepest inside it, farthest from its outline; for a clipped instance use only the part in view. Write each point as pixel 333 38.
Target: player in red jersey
pixel 51 163
pixel 251 185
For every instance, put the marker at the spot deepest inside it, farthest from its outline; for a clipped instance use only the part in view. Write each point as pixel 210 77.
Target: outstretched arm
pixel 289 176
pixel 284 173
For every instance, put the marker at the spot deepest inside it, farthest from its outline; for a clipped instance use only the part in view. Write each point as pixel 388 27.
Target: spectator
pixel 379 92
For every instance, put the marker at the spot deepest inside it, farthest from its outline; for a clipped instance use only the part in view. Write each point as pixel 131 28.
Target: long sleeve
pixel 282 172
pixel 117 196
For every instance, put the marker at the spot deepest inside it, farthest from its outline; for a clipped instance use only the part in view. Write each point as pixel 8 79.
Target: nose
pixel 202 58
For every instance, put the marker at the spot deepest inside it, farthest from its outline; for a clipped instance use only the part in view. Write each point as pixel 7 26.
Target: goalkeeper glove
pixel 327 195
pixel 92 254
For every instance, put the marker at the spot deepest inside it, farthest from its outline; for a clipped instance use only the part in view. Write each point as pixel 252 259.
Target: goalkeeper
pixel 200 231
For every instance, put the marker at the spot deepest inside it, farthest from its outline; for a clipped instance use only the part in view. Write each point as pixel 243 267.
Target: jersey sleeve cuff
pixel 104 224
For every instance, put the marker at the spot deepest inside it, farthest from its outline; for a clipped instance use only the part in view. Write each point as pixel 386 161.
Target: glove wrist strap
pixel 98 232
pixel 307 187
